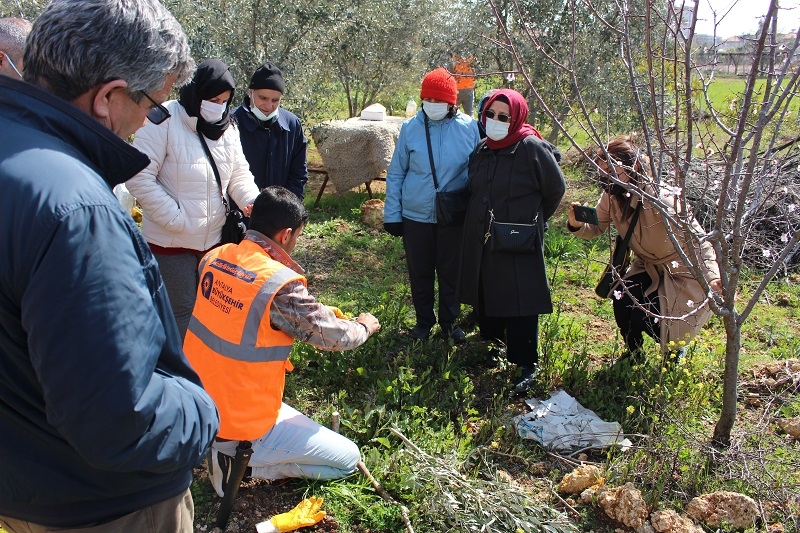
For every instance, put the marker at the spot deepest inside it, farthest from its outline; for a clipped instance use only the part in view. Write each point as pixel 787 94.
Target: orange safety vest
pixel 240 358
pixel 464 73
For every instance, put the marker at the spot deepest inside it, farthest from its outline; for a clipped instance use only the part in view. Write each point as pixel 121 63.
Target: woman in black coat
pixel 513 173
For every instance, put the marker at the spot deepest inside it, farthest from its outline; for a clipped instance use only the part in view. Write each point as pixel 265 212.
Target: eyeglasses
pixel 502 117
pixel 159 113
pixel 13 66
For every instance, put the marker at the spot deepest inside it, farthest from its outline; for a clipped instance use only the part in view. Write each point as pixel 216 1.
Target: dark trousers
pixel 632 320
pixel 519 333
pixel 433 251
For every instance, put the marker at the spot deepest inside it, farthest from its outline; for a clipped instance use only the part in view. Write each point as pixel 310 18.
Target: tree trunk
pixel 733 338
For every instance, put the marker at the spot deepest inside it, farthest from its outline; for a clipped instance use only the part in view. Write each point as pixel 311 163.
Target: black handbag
pixel 513 237
pixel 234 229
pixel 451 206
pixel 620 260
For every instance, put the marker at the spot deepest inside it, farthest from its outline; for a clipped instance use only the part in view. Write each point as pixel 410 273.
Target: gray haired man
pixel 102 417
pixel 13 32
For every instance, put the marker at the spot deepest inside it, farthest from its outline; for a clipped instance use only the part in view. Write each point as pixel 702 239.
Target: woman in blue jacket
pixel 437 139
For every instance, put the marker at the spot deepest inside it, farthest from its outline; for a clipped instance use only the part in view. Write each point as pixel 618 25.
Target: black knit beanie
pixel 268 76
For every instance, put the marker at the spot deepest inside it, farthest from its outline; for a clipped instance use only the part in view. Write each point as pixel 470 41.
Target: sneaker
pixel 419 333
pixel 526 379
pixel 455 333
pixel 220 471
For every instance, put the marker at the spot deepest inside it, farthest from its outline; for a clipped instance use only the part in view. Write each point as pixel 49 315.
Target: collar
pixel 273 250
pixel 114 160
pixel 177 111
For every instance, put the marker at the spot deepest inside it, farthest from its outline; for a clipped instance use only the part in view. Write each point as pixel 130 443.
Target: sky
pixel 743 16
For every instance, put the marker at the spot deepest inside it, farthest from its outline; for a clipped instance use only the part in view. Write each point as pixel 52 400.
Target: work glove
pixel 395 229
pixel 306 513
pixel 338 312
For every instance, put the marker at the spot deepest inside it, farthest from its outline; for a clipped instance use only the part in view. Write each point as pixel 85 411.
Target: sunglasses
pixel 502 117
pixel 159 113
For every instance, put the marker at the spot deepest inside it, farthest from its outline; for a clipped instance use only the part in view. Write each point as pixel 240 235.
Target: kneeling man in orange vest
pixel 252 303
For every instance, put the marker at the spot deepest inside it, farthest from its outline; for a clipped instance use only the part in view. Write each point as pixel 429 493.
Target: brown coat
pixel 680 294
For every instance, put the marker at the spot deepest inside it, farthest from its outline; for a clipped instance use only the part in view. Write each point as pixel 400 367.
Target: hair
pixel 76 45
pixel 623 152
pixel 277 208
pixel 13 32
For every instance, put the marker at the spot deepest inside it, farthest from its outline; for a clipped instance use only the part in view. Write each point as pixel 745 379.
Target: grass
pixel 457 409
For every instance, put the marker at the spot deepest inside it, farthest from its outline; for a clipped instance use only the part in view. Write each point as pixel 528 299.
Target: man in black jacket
pixel 272 137
pixel 102 417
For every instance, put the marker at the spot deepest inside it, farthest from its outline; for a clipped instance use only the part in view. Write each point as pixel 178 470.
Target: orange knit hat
pixel 439 85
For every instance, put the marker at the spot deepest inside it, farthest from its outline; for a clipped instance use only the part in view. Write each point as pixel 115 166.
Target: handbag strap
pixel 622 246
pixel 430 152
pixel 216 172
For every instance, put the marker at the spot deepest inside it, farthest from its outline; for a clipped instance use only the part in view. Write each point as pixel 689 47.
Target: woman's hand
pixel 247 210
pixel 572 222
pixel 716 285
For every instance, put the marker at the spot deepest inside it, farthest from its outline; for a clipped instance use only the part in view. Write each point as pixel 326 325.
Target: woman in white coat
pixel 182 203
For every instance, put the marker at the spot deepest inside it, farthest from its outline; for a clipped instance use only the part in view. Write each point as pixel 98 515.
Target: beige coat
pixel 680 294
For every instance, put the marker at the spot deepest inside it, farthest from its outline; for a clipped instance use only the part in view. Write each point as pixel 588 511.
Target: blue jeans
pixel 296 446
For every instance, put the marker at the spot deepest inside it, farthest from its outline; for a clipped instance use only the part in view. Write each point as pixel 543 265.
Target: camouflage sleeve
pixel 298 314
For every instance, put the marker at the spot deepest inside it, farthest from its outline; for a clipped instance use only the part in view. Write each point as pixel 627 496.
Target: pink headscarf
pixel 518 128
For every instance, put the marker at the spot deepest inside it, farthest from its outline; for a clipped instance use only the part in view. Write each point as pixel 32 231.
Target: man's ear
pixel 105 95
pixel 283 236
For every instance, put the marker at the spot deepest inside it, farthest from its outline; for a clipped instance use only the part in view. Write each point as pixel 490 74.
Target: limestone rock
pixel 731 509
pixel 645 528
pixel 372 213
pixel 588 495
pixel 624 504
pixel 790 426
pixel 668 521
pixel 579 479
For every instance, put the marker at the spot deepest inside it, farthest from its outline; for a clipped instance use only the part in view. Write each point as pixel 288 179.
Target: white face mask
pixel 212 112
pixel 496 130
pixel 260 114
pixel 436 111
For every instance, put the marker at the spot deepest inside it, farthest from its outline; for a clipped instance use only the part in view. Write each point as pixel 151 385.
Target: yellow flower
pixel 631 409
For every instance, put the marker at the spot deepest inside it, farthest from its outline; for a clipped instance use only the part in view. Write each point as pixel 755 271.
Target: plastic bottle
pixel 411 108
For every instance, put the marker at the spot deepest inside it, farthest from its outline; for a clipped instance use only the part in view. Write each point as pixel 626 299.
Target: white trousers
pixel 296 446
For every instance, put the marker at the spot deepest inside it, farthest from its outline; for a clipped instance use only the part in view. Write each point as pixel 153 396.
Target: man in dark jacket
pixel 102 417
pixel 272 138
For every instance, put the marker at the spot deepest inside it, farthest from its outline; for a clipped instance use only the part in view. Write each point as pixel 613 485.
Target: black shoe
pixel 455 333
pixel 420 333
pixel 526 379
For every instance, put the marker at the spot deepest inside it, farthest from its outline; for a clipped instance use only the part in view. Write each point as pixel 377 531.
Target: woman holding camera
pixel 660 296
pixel 514 178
